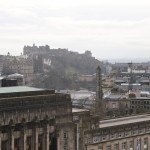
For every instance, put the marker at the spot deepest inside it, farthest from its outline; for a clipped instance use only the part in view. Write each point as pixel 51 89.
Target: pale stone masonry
pixel 35 119
pixel 120 134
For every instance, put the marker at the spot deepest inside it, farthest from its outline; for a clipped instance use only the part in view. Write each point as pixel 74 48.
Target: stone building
pixel 35 119
pixel 11 80
pixel 42 50
pixel 21 65
pixel 81 118
pixel 32 50
pixel 18 77
pixel 84 121
pixel 117 107
pixel 126 133
pixel 42 56
pixel 140 104
pixel 87 78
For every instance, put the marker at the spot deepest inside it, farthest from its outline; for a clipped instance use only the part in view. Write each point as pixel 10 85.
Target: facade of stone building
pixel 140 104
pixel 81 118
pixel 31 50
pixel 35 119
pixel 11 80
pixel 117 107
pixel 19 65
pixel 87 78
pixel 84 121
pixel 128 133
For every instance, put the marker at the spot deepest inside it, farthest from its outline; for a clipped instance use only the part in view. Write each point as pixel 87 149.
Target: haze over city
pixel 109 29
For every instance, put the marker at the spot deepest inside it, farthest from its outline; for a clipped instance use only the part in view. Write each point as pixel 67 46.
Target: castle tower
pixel 99 93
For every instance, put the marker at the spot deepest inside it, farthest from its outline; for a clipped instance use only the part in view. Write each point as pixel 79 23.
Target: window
pixel 65 135
pixel 148 129
pixel 103 138
pixel 131 144
pixel 95 139
pixel 119 134
pixel 75 118
pixel 4 144
pixel 16 143
pixel 124 146
pixel 126 133
pixel 134 131
pixel 108 147
pixel 88 140
pixel 141 130
pixel 145 143
pixel 100 147
pixel 112 136
pixel 65 147
pixel 114 105
pixel 116 146
pixel 138 143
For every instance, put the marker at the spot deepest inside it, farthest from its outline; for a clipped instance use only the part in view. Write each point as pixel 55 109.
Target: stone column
pixel 135 143
pixel 32 141
pixel 120 144
pixel 23 139
pixel 128 144
pixel 45 145
pixel 142 142
pixel 35 138
pixel 11 140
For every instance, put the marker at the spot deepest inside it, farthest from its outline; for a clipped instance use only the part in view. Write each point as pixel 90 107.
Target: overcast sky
pixel 108 28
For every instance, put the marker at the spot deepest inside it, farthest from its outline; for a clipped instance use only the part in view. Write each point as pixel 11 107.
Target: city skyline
pixel 109 29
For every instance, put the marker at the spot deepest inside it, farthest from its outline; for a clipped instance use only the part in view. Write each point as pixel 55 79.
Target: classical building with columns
pixel 84 121
pixel 35 119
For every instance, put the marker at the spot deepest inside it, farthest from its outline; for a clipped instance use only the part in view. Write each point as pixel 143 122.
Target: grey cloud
pixel 104 27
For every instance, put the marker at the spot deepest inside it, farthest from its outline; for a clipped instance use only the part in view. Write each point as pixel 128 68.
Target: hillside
pixel 65 67
pixel 75 63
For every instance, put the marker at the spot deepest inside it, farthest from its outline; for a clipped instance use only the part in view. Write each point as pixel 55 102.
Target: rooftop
pixel 16 89
pixel 123 121
pixel 15 75
pixel 76 110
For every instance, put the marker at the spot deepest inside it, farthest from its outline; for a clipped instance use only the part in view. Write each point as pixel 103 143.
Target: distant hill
pixel 75 63
pixel 64 67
